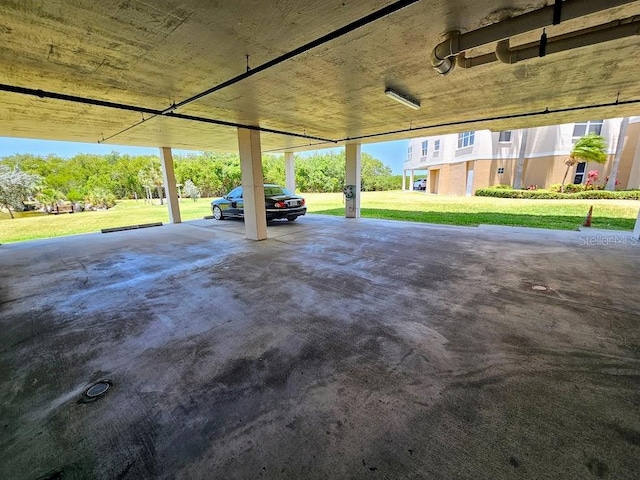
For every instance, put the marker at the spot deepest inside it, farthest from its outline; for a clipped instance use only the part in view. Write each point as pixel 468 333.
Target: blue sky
pixel 391 153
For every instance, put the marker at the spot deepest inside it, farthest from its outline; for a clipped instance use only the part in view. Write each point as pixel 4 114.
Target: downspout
pixel 455 43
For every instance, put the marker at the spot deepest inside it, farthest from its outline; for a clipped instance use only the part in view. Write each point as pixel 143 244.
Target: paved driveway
pixel 335 349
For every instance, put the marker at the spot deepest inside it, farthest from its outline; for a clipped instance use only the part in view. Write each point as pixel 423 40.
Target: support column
pixel 411 180
pixel 636 230
pixel 169 178
pixel 404 179
pixel 289 172
pixel 517 176
pixel 613 173
pixel 255 217
pixel 352 178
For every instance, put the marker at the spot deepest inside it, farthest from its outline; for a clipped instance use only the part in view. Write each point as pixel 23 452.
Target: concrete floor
pixel 336 349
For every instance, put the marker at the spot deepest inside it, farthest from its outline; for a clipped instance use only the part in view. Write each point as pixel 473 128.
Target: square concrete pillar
pixel 255 216
pixel 169 178
pixel 404 179
pixel 289 172
pixel 352 178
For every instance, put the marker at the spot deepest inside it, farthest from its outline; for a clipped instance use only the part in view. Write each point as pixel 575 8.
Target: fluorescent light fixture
pixel 403 99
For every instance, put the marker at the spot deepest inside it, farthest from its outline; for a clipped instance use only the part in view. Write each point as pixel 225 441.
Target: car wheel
pixel 217 213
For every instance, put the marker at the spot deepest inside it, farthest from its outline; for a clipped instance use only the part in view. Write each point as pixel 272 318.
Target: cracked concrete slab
pixel 335 349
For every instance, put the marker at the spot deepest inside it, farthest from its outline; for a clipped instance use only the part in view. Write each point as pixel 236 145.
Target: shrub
pixel 592 178
pixel 568 188
pixel 502 193
pixel 595 194
pixel 551 195
pixel 101 198
pixel 574 188
pixel 505 187
pixel 75 195
pixel 191 191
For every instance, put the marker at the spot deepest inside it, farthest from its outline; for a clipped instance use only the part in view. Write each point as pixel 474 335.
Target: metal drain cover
pixel 98 389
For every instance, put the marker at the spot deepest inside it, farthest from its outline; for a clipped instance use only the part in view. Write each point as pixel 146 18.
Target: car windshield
pixel 274 191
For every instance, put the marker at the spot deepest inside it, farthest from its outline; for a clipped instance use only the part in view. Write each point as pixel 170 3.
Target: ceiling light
pixel 403 99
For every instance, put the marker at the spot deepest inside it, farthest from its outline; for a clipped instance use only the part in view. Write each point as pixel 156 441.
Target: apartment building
pixel 459 164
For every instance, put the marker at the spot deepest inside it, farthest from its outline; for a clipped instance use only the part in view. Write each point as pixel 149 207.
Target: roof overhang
pixel 153 55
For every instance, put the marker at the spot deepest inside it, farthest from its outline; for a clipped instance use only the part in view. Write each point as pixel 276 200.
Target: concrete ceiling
pixel 156 52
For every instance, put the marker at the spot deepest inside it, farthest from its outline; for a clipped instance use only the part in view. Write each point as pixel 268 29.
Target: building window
pixel 409 153
pixel 579 176
pixel 466 139
pixel 505 136
pixel 436 146
pixel 500 170
pixel 584 128
pixel 425 146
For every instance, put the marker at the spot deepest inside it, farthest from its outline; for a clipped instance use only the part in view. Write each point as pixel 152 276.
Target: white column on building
pixel 404 179
pixel 255 217
pixel 352 178
pixel 636 230
pixel 289 172
pixel 411 179
pixel 169 177
pixel 613 174
pixel 517 176
pixel 634 174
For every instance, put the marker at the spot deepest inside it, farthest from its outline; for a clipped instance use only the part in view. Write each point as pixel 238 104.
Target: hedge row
pixel 547 195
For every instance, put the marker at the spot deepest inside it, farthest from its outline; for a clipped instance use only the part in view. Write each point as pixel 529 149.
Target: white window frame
pixel 466 139
pixel 436 146
pixel 505 136
pixel 589 127
pixel 582 174
pixel 425 147
pixel 409 152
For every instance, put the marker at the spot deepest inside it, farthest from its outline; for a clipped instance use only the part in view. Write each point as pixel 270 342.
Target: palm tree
pixel 590 148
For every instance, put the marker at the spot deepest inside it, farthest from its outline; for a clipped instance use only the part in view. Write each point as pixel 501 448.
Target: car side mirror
pixel 225 197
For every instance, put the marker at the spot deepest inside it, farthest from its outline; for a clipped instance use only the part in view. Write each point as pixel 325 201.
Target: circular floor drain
pixel 97 390
pixel 540 288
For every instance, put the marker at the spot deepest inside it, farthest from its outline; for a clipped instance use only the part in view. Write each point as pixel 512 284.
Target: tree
pixel 375 175
pixel 49 197
pixel 590 148
pixel 191 191
pixel 16 186
pixel 151 176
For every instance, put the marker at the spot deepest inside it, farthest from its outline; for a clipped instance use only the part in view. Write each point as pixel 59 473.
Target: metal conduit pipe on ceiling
pixel 455 43
pixel 589 36
pixel 579 39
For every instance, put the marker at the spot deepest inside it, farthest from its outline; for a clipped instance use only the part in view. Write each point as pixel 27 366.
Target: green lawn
pixel 397 205
pixel 473 211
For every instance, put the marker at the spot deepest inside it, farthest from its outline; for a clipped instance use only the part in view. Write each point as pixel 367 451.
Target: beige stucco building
pixel 459 164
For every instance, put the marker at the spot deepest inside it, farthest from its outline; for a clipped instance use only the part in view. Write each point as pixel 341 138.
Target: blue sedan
pixel 279 203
